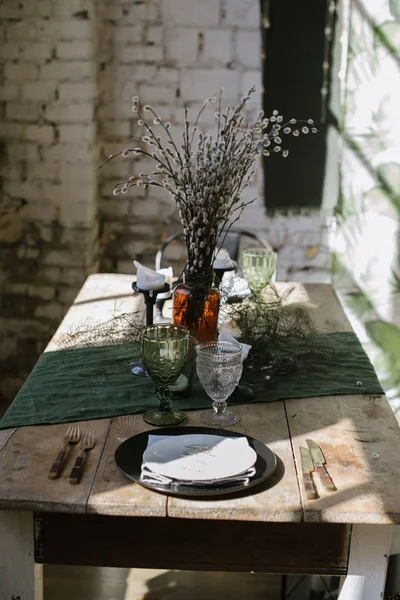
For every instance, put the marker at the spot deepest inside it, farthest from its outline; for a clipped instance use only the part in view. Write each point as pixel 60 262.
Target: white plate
pixel 199 457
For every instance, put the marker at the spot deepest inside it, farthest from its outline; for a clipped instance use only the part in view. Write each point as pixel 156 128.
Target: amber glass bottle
pixel 196 307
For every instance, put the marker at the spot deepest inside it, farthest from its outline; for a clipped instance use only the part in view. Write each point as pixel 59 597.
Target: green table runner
pixel 94 383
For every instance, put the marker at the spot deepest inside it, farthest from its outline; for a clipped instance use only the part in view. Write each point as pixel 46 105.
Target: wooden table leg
pixel 20 577
pixel 368 559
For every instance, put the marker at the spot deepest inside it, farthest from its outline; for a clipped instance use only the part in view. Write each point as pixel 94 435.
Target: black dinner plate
pixel 129 455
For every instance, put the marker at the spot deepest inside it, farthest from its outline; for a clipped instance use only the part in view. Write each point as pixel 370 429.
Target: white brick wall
pixel 20 71
pixel 218 47
pixel 48 75
pixel 9 91
pixel 178 38
pixel 68 70
pixel 77 92
pixel 67 113
pixel 57 71
pixel 74 50
pixel 38 90
pixel 21 111
pixel 241 13
pixel 198 84
pixel 248 45
pixel 183 12
pixel 43 134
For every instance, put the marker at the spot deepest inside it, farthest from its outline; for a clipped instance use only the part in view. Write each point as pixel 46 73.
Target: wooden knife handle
pixel 309 486
pixel 56 466
pixel 76 472
pixel 325 478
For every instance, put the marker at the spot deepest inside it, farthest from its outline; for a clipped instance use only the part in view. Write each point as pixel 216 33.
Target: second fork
pixel 87 443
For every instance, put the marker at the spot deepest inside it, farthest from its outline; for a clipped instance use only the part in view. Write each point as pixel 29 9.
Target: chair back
pixel 230 242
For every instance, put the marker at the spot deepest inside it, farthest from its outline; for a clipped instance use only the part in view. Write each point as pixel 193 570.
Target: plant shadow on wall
pixel 367 258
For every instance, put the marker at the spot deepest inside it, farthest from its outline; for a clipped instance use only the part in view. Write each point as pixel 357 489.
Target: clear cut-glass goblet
pixel 219 366
pixel 164 350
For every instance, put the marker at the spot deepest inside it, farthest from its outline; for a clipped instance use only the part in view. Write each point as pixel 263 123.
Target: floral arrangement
pixel 206 175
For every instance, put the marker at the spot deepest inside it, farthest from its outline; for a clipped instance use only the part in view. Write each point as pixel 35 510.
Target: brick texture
pixel 68 71
pixel 48 213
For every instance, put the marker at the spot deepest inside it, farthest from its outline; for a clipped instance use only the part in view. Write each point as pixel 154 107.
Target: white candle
pixel 147 279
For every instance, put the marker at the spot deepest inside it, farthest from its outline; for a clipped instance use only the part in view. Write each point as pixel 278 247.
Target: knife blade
pixel 319 462
pixel 307 466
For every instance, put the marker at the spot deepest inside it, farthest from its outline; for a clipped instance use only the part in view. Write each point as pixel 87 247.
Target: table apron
pixel 191 544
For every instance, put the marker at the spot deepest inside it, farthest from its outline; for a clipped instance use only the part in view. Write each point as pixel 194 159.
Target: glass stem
pixel 164 396
pixel 219 407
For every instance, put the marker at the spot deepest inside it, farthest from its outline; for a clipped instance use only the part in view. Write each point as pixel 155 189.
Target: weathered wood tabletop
pixel 358 434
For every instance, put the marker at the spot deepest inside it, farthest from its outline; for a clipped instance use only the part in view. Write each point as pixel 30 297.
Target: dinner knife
pixel 319 462
pixel 307 466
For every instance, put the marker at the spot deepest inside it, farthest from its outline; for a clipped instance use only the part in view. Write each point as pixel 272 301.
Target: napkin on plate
pixel 151 477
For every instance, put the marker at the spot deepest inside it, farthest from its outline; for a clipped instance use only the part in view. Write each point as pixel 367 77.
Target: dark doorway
pixel 293 53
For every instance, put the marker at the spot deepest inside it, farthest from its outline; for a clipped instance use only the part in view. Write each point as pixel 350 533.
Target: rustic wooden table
pixel 107 520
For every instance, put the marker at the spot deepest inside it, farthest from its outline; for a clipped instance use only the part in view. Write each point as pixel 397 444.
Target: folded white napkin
pixel 147 279
pixel 223 260
pixel 224 336
pixel 149 476
pixel 168 273
pixel 235 287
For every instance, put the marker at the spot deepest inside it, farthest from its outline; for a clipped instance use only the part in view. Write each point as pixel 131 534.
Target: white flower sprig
pixel 206 176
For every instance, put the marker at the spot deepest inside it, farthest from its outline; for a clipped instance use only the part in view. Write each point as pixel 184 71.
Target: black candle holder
pixel 150 296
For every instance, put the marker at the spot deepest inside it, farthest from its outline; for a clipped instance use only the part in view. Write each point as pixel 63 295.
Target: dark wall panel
pixel 293 49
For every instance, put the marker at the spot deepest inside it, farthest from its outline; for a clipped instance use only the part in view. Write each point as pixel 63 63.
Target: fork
pixel 72 436
pixel 87 443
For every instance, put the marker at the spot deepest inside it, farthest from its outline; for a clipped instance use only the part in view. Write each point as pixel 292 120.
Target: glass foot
pixel 136 367
pixel 155 417
pixel 224 419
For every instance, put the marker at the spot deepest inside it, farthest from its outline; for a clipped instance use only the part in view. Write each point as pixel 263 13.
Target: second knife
pixel 319 462
pixel 307 466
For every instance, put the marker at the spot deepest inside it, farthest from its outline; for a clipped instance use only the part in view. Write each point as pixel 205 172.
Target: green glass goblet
pixel 164 351
pixel 259 265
